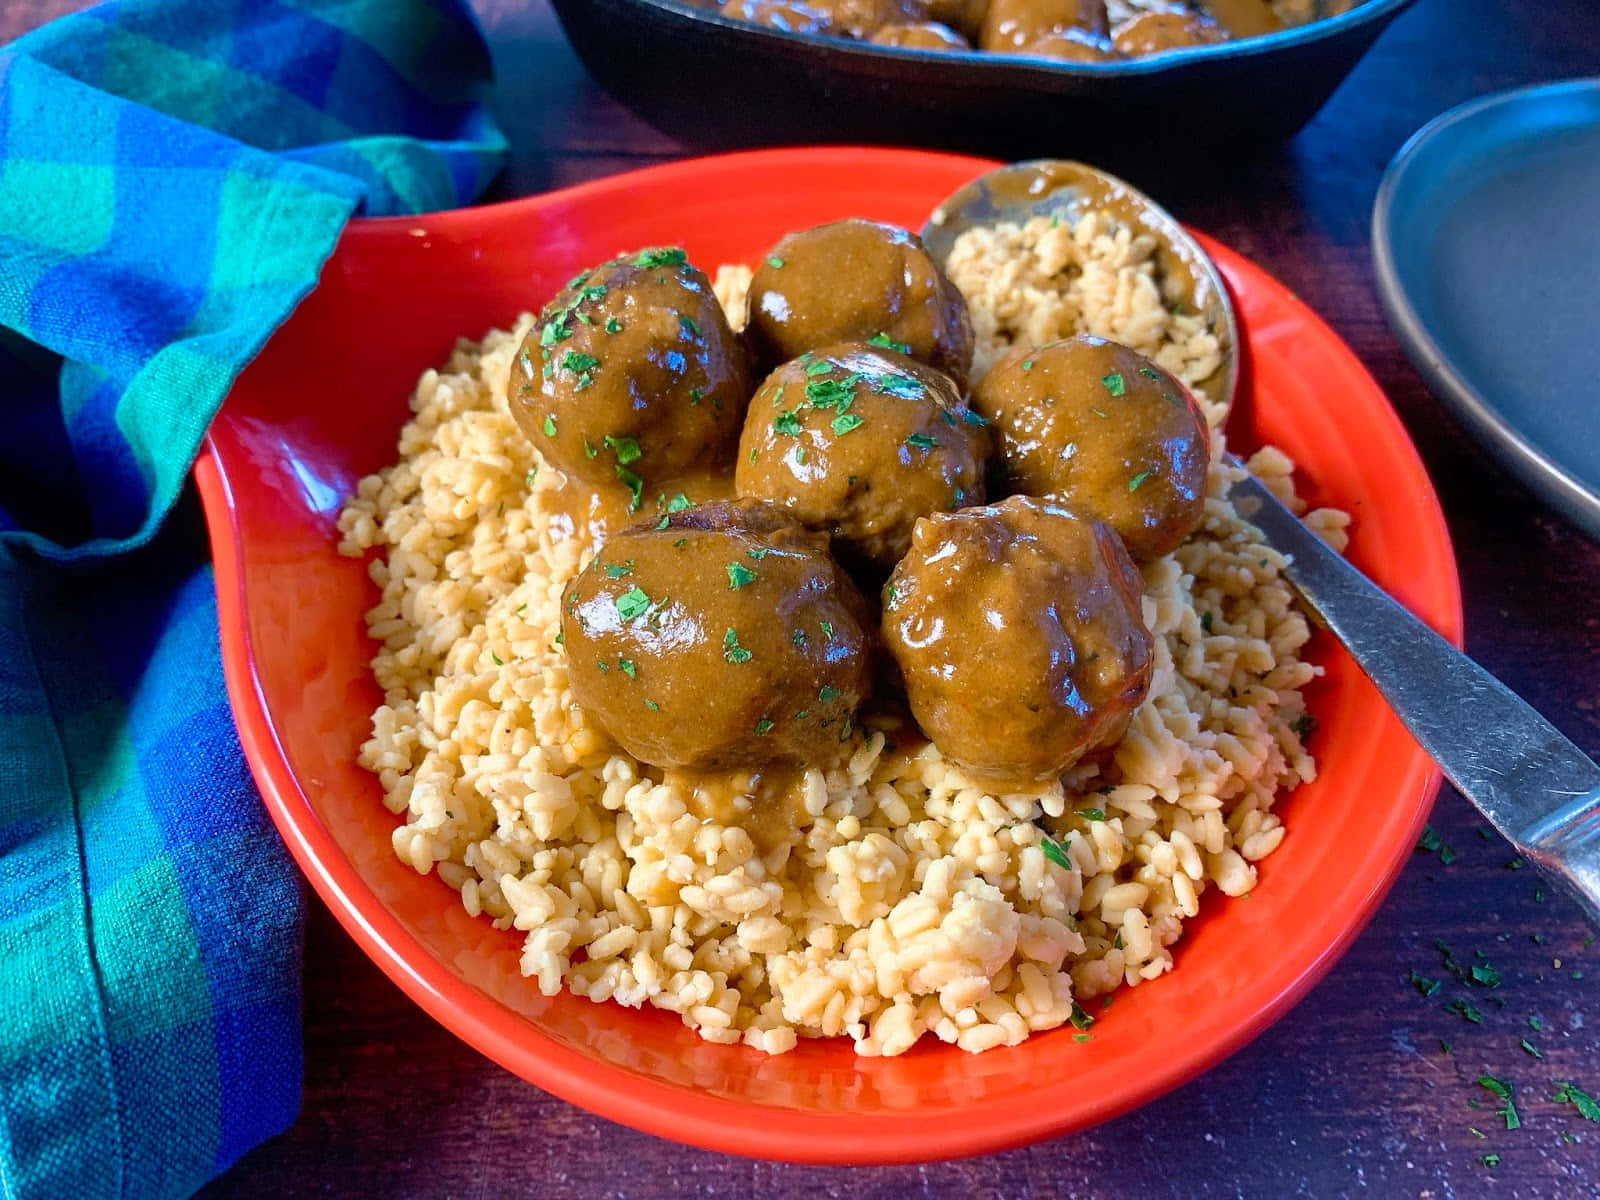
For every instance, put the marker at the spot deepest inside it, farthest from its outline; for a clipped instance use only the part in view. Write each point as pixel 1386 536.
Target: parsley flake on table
pixel 1465 1011
pixel 1502 1089
pixel 739 575
pixel 1529 1047
pixel 731 650
pixel 1426 987
pixel 1571 1093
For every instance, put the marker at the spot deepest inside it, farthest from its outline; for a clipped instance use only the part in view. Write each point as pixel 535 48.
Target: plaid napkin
pixel 172 175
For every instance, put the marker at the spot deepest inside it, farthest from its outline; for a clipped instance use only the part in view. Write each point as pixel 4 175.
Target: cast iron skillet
pixel 720 83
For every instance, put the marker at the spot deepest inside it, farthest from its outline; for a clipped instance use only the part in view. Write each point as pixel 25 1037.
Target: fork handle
pixel 1532 784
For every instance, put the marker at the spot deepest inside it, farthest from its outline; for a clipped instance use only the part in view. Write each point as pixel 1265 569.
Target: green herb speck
pixel 731 650
pixel 549 427
pixel 739 575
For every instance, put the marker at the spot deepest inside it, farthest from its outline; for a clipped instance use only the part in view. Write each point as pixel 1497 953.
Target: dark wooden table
pixel 1351 1092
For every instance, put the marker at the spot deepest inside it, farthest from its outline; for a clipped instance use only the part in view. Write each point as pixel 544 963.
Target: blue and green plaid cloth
pixel 173 174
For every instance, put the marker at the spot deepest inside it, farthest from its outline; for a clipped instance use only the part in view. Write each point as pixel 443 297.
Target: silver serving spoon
pixel 1533 785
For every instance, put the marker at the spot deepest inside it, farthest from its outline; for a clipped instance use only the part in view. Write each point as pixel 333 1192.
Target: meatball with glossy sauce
pixel 1106 431
pixel 719 636
pixel 1018 630
pixel 1154 32
pixel 920 35
pixel 1009 25
pixel 849 282
pixel 859 441
pixel 862 18
pixel 631 373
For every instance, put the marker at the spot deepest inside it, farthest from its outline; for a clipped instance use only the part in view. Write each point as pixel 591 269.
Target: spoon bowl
pixel 1066 190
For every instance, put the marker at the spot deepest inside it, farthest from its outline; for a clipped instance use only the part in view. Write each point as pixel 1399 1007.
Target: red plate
pixel 322 406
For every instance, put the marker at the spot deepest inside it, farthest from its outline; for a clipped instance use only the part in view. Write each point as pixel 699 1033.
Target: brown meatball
pixel 920 35
pixel 964 16
pixel 862 18
pixel 1018 630
pixel 850 281
pixel 1153 32
pixel 1105 430
pixel 631 373
pixel 859 442
pixel 1009 25
pixel 720 636
pixel 790 16
pixel 1073 45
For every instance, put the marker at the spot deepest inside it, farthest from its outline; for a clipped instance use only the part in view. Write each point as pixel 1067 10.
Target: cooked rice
pixel 913 901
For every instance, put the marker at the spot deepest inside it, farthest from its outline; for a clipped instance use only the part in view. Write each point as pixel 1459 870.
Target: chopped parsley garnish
pixel 554 331
pixel 921 441
pixel 1079 1018
pixel 532 475
pixel 1115 384
pixel 902 387
pixel 627 448
pixel 549 427
pixel 1502 1089
pixel 758 552
pixel 1099 413
pixel 1027 364
pixel 1465 1011
pixel 668 256
pixel 618 570
pixel 1149 372
pixel 1529 1047
pixel 1083 1037
pixel 696 395
pixel 574 361
pixel 1091 814
pixel 632 603
pixel 786 423
pixel 604 666
pixel 628 667
pixel 497 660
pixel 678 503
pixel 1571 1093
pixel 589 449
pixel 1056 852
pixel 763 727
pixel 1535 1024
pixel 827 694
pixel 1205 621
pixel 613 325
pixel 884 342
pixel 1133 484
pixel 688 325
pixel 821 367
pixel 1489 1160
pixel 739 575
pixel 826 627
pixel 633 483
pixel 1426 986
pixel 1484 974
pixel 1303 725
pixel 595 294
pixel 774 262
pixel 652 705
pixel 844 423
pixel 731 650
pixel 829 393
pixel 1516 864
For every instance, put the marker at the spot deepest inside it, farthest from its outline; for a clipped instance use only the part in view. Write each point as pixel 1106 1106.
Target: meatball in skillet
pixel 1017 628
pixel 863 18
pixel 790 16
pixel 1073 45
pixel 920 35
pixel 849 282
pixel 859 441
pixel 1106 431
pixel 1153 32
pixel 631 373
pixel 1009 25
pixel 719 636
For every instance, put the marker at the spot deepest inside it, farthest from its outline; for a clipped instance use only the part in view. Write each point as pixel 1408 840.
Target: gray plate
pixel 1486 239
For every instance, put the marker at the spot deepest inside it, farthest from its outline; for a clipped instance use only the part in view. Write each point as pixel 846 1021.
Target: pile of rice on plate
pixel 912 901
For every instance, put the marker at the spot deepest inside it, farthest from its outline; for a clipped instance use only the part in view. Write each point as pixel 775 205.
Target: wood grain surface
pixel 1352 1092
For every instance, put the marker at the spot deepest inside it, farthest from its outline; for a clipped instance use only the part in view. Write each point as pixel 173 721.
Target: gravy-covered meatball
pixel 631 373
pixel 849 282
pixel 920 35
pixel 791 16
pixel 719 636
pixel 964 16
pixel 1009 25
pixel 859 442
pixel 862 18
pixel 1073 45
pixel 1153 32
pixel 1105 430
pixel 1017 628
